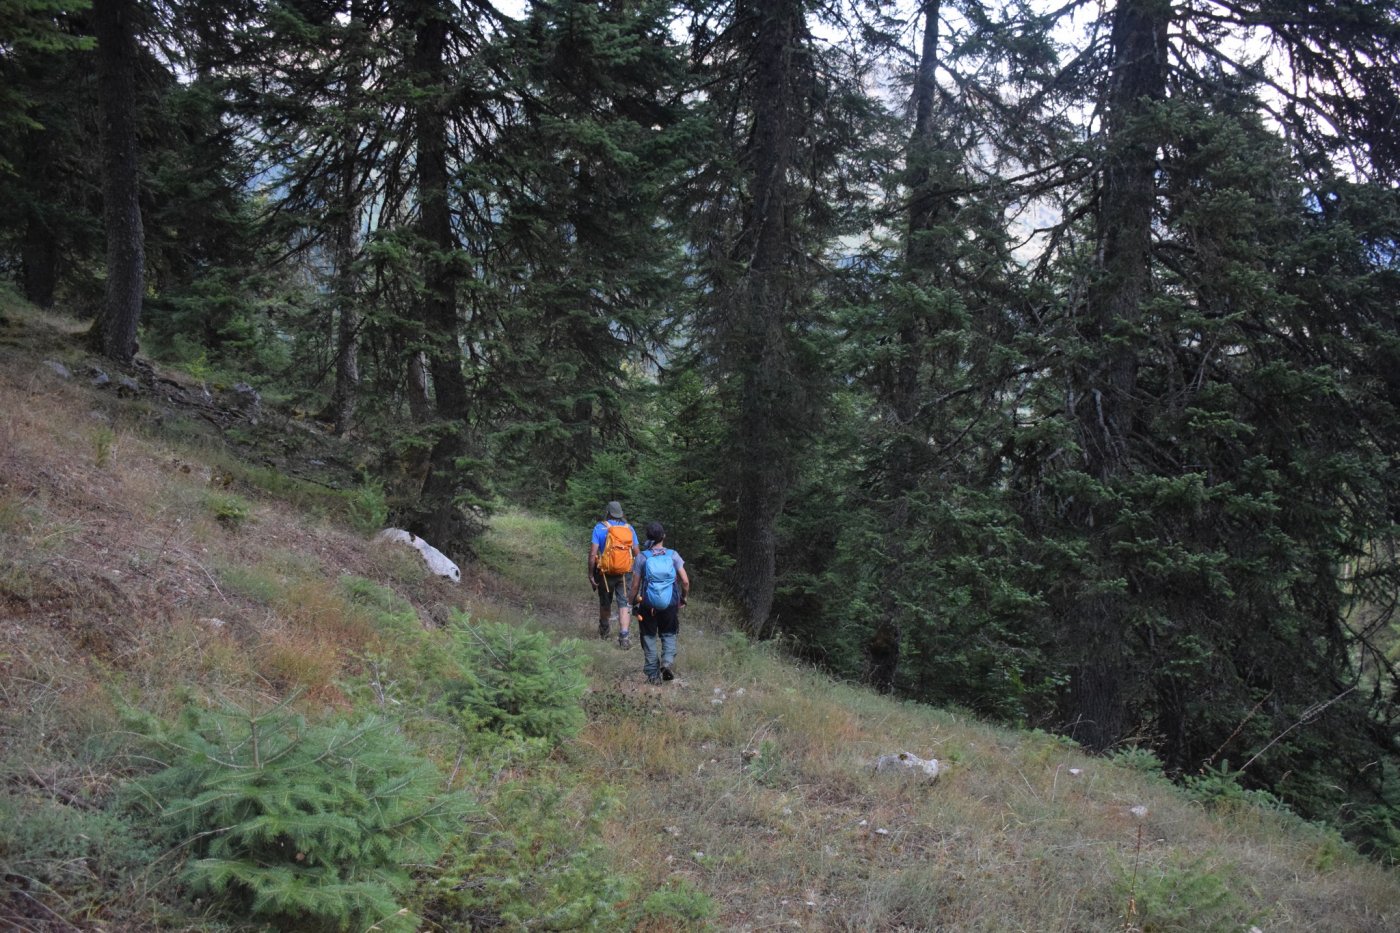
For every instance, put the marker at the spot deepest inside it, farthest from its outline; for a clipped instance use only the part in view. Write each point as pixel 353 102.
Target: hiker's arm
pixel 636 588
pixel 592 562
pixel 685 583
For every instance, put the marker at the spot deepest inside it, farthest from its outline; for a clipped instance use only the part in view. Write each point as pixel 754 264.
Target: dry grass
pixel 750 777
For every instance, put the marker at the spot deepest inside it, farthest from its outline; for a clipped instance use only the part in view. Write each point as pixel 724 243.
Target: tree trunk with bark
pixel 345 290
pixel 765 295
pixel 115 330
pixel 438 517
pixel 346 248
pixel 39 261
pixel 1102 388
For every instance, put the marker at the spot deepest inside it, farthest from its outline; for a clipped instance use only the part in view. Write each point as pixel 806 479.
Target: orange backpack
pixel 616 556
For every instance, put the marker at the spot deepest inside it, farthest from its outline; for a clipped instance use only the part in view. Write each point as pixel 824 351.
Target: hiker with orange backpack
pixel 610 559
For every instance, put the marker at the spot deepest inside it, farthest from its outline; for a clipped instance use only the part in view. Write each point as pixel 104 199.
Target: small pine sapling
pixel 303 825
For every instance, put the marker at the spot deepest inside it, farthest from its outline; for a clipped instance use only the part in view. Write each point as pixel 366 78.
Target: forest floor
pixel 149 560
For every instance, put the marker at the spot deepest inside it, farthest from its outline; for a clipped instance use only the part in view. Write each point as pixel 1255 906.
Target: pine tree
pixel 782 115
pixel 49 181
pixel 1208 458
pixel 30 28
pixel 304 825
pixel 437 515
pixel 116 25
pixel 933 315
pixel 585 257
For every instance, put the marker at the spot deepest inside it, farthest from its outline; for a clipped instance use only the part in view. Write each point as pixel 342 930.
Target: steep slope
pixel 145 568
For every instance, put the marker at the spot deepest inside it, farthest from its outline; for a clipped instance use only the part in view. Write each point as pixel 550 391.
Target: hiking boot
pixel 603 629
pixel 624 640
pixel 667 672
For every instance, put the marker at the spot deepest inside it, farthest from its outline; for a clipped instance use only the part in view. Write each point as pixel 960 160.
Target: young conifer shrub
pixel 516 684
pixel 367 505
pixel 538 861
pixel 303 825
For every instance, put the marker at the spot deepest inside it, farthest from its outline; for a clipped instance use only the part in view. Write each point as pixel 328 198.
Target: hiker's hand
pixel 593 582
pixel 682 600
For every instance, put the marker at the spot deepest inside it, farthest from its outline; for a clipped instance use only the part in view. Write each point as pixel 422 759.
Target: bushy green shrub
pixel 1139 759
pixel 367 505
pixel 766 764
pixel 1378 828
pixel 302 825
pixel 229 509
pixel 516 684
pixel 1220 787
pixel 538 862
pixel 1191 897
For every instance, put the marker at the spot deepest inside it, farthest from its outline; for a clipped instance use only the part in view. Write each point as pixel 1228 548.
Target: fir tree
pixel 304 825
pixel 784 118
pixel 1192 486
pixel 581 180
pixel 116 25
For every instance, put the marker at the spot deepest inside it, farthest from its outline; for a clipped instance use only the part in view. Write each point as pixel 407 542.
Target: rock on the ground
pixel 903 761
pixel 438 562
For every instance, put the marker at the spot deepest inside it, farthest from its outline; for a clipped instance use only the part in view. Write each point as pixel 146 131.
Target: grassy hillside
pixel 148 570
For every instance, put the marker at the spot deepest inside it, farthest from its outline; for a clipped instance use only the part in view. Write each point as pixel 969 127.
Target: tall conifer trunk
pixel 902 394
pixel 39 259
pixel 347 349
pixel 437 511
pixel 1102 386
pixel 767 440
pixel 927 206
pixel 115 331
pixel 925 202
pixel 346 243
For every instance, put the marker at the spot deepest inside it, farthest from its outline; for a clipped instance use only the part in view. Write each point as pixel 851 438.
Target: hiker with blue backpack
pixel 611 557
pixel 659 590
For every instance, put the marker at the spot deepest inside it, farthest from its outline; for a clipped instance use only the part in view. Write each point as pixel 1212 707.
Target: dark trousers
pixel 659 621
pixel 659 628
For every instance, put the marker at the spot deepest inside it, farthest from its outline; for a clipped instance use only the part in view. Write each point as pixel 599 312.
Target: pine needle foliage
pixel 516 684
pixel 304 825
pixel 541 863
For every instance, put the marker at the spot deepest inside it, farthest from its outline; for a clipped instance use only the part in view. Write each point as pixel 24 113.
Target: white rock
pixel 1138 811
pixel 438 562
pixel 904 761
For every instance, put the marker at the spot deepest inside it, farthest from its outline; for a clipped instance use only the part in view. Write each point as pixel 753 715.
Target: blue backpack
pixel 659 572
